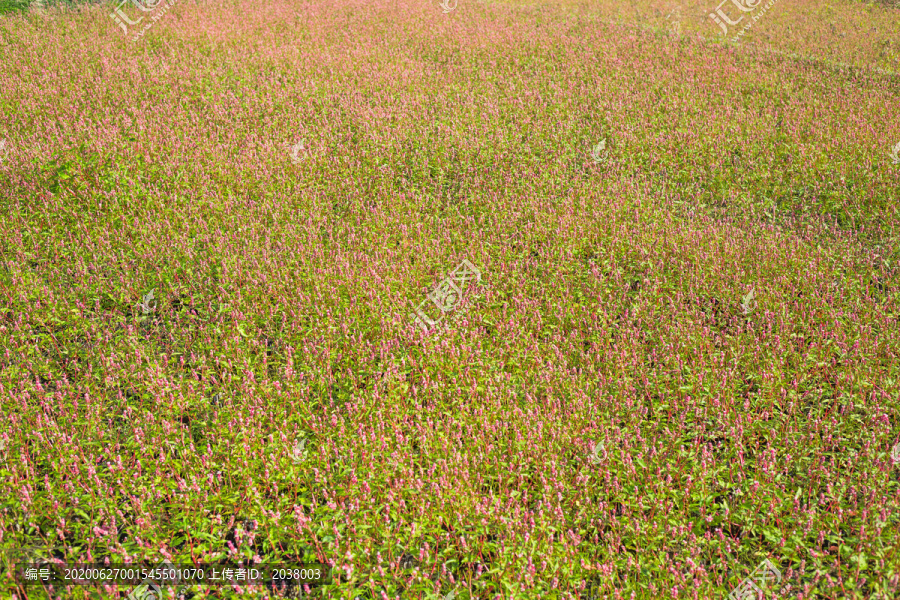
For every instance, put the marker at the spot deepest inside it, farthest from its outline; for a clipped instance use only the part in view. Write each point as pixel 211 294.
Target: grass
pixel 715 301
pixel 12 7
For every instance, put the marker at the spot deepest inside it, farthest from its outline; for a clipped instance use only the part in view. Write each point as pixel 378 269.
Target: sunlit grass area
pixel 233 325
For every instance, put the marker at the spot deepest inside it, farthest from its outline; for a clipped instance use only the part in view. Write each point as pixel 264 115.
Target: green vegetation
pixel 681 358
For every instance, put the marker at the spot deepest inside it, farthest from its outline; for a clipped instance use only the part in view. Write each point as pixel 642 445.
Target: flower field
pixel 460 299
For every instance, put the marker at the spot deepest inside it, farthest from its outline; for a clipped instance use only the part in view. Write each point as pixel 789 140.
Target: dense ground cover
pixel 681 358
